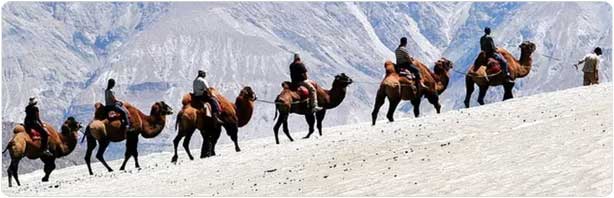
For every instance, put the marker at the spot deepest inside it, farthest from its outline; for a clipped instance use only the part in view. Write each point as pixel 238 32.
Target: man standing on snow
pixel 591 66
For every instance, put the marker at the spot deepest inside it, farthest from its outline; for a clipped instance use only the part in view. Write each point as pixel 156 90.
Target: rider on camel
pixel 404 62
pixel 33 121
pixel 112 104
pixel 487 45
pixel 201 93
pixel 298 74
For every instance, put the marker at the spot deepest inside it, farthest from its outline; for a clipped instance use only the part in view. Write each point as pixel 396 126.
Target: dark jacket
pixel 297 72
pixel 487 44
pixel 32 115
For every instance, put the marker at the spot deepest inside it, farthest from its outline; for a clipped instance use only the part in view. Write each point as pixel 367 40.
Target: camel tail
pixel 276 112
pixel 7 147
pixel 178 119
pixel 87 131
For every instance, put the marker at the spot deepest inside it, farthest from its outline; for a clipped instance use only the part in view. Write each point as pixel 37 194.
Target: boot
pixel 125 125
pixel 45 148
pixel 421 84
pixel 216 118
pixel 315 108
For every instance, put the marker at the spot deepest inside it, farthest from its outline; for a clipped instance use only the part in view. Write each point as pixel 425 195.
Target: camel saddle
pixel 205 108
pixel 33 133
pixel 301 90
pixel 492 66
pixel 407 74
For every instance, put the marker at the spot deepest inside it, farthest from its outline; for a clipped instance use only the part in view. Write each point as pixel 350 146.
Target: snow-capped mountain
pixel 65 52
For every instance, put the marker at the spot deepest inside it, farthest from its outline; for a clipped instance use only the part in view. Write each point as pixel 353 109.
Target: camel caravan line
pixel 208 111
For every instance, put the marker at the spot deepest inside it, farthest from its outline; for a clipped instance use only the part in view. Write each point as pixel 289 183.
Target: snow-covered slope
pixel 553 144
pixel 65 52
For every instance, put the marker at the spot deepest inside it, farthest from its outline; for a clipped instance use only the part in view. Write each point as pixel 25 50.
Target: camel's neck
pixel 244 109
pixel 336 95
pixel 525 64
pixel 444 79
pixel 152 124
pixel 69 139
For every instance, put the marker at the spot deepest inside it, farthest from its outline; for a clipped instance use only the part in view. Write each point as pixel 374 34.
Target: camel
pixel 23 145
pixel 105 131
pixel 485 77
pixel 234 116
pixel 397 88
pixel 289 101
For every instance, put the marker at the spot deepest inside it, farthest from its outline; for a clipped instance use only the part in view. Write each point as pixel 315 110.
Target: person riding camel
pixel 591 67
pixel 112 104
pixel 404 62
pixel 487 45
pixel 298 76
pixel 33 121
pixel 201 93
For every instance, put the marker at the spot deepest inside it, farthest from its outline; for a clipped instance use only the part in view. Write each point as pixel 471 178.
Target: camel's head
pixel 248 93
pixel 527 47
pixel 71 125
pixel 342 80
pixel 162 108
pixel 443 65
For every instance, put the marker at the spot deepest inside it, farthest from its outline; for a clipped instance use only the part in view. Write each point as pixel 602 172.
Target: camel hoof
pixel 174 160
pixel 237 149
pixel 306 137
pixel 45 179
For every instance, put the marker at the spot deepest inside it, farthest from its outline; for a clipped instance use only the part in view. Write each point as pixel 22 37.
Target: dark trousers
pixel 123 113
pixel 413 69
pixel 215 106
pixel 502 61
pixel 43 132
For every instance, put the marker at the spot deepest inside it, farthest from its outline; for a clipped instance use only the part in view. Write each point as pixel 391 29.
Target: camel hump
pixel 214 92
pixel 20 128
pixel 286 84
pixel 186 99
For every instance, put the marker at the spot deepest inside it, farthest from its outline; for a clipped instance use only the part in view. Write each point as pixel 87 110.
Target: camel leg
pixel 280 121
pixel 186 144
pixel 392 107
pixel 232 130
pixel 379 101
pixel 100 153
pixel 214 138
pixel 319 117
pixel 482 94
pixel 48 168
pixel 91 144
pixel 416 104
pixel 469 85
pixel 12 171
pixel 310 121
pixel 508 91
pixel 175 144
pixel 286 130
pixel 434 99
pixel 133 142
pixel 205 148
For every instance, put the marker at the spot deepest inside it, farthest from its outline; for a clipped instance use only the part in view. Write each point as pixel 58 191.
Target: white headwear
pixel 33 101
